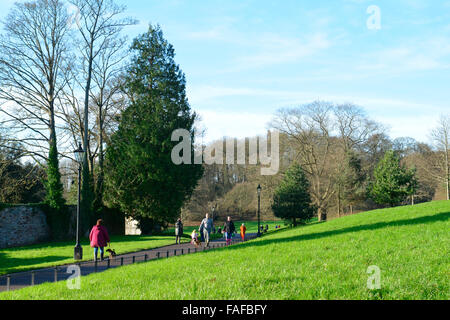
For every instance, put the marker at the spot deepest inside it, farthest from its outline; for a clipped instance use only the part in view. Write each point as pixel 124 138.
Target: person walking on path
pixel 229 229
pixel 99 238
pixel 202 237
pixel 243 230
pixel 206 225
pixel 178 231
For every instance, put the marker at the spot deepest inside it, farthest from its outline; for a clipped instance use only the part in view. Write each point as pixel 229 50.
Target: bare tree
pixel 353 126
pixel 108 102
pixel 422 157
pixel 98 25
pixel 19 183
pixel 33 62
pixel 309 130
pixel 71 108
pixel 441 139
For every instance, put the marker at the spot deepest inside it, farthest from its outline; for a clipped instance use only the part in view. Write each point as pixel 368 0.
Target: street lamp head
pixel 79 154
pixel 259 189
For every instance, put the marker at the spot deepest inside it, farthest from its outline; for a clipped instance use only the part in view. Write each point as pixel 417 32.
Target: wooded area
pixel 339 148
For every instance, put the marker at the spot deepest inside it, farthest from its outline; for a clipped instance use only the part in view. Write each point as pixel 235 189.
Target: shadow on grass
pixel 318 235
pixel 84 242
pixel 10 264
pixel 7 262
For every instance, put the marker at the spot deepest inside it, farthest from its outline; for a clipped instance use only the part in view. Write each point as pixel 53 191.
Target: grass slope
pixel 321 261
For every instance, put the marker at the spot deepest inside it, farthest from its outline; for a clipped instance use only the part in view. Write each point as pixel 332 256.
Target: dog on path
pixel 112 253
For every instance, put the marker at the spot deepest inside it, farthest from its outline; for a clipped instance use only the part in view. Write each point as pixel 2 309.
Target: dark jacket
pixel 178 228
pixel 229 227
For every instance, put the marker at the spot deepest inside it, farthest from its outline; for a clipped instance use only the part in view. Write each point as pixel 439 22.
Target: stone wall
pixel 22 226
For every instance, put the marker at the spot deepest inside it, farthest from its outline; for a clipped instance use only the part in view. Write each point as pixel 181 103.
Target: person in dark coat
pixel 229 229
pixel 202 237
pixel 178 231
pixel 99 238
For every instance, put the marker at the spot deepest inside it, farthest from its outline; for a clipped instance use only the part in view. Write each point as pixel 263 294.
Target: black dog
pixel 112 253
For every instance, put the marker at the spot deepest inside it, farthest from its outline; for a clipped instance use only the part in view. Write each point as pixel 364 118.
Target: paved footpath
pixel 21 280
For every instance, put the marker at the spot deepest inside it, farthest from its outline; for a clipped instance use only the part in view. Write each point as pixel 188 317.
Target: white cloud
pixel 202 94
pixel 215 33
pixel 404 117
pixel 417 127
pixel 221 124
pixel 263 49
pixel 270 49
pixel 417 55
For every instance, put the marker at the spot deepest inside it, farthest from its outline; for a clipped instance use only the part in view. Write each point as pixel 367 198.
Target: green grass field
pixel 59 253
pixel 328 260
pixel 252 226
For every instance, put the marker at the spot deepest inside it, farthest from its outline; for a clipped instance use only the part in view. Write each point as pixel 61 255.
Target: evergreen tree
pixel 292 199
pixel 87 217
pixel 140 175
pixel 392 181
pixel 354 188
pixel 53 186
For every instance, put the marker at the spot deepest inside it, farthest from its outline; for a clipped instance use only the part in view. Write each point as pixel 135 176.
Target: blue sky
pixel 244 60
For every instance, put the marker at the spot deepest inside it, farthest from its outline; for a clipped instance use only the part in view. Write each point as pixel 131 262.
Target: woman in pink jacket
pixel 99 238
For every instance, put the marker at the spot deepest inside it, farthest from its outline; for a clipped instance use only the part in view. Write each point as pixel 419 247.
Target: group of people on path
pixel 99 237
pixel 206 228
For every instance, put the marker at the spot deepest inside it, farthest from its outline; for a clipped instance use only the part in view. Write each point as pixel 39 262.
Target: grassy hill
pixel 328 260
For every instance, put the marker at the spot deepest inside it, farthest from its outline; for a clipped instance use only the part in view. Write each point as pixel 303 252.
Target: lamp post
pixel 79 156
pixel 259 210
pixel 212 215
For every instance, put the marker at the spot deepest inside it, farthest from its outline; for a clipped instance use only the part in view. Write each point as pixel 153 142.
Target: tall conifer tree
pixel 140 175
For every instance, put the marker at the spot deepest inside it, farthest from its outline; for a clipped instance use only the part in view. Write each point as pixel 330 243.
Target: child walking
pixel 194 237
pixel 243 230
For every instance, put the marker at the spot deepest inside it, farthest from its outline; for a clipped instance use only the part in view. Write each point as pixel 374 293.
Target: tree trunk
pixel 99 188
pixel 448 190
pixel 339 202
pixel 87 192
pixel 86 105
pixel 447 167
